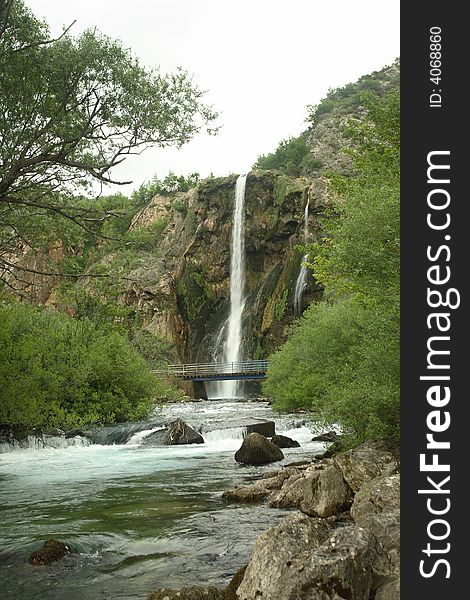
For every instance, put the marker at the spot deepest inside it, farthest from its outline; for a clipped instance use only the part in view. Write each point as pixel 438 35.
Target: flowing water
pixel 137 517
pixel 301 282
pixel 233 341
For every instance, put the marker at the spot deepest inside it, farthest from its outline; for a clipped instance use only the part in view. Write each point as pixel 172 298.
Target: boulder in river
pixel 51 551
pixel 328 436
pixel 179 432
pixel 284 442
pixel 258 450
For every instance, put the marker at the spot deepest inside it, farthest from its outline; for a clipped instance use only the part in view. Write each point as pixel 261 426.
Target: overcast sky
pixel 262 62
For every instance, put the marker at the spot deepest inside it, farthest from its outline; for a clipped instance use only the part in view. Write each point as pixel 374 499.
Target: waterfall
pixel 301 282
pixel 233 340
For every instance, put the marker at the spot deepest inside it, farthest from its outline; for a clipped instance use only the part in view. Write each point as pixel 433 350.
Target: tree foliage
pixel 73 109
pixel 57 371
pixel 342 358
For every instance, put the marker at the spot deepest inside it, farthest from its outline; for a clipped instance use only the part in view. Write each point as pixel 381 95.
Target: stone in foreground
pixel 300 558
pixel 258 450
pixel 51 551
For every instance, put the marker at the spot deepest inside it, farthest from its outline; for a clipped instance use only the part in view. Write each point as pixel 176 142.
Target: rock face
pixel 325 492
pixel 258 450
pixel 284 442
pixel 368 461
pixel 51 551
pixel 279 556
pixel 183 293
pixel 301 558
pixel 376 508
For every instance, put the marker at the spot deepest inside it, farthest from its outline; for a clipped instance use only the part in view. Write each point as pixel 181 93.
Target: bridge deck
pixel 219 371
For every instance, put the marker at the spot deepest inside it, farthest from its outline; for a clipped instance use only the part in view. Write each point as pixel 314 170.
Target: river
pixel 137 517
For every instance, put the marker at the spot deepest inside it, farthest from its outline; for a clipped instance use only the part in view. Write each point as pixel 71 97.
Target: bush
pixel 57 371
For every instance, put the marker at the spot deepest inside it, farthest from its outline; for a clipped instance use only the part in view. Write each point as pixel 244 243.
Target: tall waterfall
pixel 301 282
pixel 233 340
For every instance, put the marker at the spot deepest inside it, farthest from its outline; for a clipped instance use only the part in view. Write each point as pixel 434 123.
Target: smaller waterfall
pixel 301 282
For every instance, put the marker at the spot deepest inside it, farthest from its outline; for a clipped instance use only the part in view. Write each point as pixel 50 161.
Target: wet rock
pixel 250 425
pixel 332 450
pixel 329 436
pixel 74 433
pixel 51 551
pixel 376 508
pixel 279 557
pixel 178 432
pixel 372 459
pixel 325 492
pixel 284 442
pixel 258 450
pixel 256 492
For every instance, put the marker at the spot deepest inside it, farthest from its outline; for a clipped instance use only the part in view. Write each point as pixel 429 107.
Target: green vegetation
pixel 73 109
pixel 293 157
pixel 289 157
pixel 342 358
pixel 57 371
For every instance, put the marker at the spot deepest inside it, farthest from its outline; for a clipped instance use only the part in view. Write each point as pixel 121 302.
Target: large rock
pixel 324 492
pixel 372 459
pixel 301 559
pixel 258 450
pixel 376 507
pixel 284 442
pixel 51 551
pixel 328 436
pixel 249 425
pixel 291 494
pixel 279 557
pixel 175 433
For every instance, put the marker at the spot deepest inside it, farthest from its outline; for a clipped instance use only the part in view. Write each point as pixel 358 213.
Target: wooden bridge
pixel 197 374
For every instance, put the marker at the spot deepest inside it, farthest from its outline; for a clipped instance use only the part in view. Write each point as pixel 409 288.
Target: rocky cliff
pixel 182 292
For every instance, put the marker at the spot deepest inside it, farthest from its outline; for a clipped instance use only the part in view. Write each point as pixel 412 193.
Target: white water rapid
pixel 301 282
pixel 233 341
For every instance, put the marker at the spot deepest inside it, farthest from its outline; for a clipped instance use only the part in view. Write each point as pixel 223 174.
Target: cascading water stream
pixel 301 282
pixel 233 341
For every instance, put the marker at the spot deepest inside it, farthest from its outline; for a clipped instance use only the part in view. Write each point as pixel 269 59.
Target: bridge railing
pixel 245 367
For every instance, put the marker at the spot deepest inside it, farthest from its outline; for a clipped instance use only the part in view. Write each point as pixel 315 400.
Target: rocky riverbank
pixel 340 540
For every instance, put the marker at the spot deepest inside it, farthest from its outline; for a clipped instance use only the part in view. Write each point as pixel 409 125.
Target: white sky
pixel 262 62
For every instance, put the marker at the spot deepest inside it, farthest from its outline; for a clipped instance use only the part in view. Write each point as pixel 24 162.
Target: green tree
pixel 342 358
pixel 288 157
pixel 73 109
pixel 57 371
